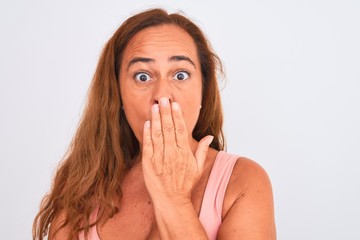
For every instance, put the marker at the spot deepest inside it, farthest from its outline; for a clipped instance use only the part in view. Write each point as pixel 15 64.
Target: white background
pixel 291 99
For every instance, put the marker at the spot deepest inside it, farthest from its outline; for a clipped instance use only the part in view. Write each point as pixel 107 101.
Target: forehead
pixel 161 41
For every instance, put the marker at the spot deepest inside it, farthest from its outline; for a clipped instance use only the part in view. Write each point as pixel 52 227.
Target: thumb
pixel 202 149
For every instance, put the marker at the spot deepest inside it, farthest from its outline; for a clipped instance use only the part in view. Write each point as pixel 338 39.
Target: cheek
pixel 191 109
pixel 191 116
pixel 135 111
pixel 136 117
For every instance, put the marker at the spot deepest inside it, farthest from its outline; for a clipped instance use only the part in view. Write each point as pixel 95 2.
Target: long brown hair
pixel 104 146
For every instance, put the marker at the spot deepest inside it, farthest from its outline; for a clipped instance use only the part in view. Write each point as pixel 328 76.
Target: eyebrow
pixel 181 58
pixel 139 59
pixel 176 58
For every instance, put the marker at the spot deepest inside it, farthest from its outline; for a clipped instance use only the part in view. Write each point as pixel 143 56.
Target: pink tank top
pixel 211 206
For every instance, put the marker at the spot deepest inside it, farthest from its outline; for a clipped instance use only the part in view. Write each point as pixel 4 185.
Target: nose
pixel 162 89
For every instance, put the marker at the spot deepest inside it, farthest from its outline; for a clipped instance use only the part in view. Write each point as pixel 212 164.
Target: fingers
pixel 157 139
pixel 147 142
pixel 201 150
pixel 156 131
pixel 180 127
pixel 167 124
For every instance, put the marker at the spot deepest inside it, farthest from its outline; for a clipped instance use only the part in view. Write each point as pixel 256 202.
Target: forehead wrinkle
pixel 158 37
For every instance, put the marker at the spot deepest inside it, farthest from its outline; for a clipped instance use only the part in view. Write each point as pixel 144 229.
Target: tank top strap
pixel 93 234
pixel 211 206
pixel 212 203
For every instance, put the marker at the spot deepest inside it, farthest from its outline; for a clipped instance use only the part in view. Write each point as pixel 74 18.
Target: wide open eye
pixel 181 76
pixel 142 77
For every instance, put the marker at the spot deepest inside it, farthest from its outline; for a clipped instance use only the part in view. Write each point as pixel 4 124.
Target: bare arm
pixel 251 216
pixel 171 170
pixel 178 221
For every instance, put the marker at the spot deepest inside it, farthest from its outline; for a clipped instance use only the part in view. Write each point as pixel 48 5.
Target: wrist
pixel 173 201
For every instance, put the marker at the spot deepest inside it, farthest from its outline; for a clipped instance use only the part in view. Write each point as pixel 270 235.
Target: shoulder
pixel 248 180
pixel 248 175
pixel 248 210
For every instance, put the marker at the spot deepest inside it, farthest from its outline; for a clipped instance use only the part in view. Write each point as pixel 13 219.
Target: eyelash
pixel 183 71
pixel 139 81
pixel 146 73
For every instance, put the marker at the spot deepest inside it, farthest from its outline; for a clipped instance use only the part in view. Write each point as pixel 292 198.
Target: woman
pixel 147 161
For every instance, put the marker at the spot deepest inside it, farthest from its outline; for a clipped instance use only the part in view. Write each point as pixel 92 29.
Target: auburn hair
pixel 104 146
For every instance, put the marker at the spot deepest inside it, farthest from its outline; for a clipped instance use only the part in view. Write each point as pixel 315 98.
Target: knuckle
pixel 181 129
pixel 157 134
pixel 168 128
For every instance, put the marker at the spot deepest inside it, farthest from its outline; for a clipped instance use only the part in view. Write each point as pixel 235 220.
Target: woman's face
pixel 160 61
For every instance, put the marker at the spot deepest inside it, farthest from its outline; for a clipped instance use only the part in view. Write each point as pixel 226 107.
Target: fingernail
pixel 147 124
pixel 164 101
pixel 175 106
pixel 155 108
pixel 210 139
